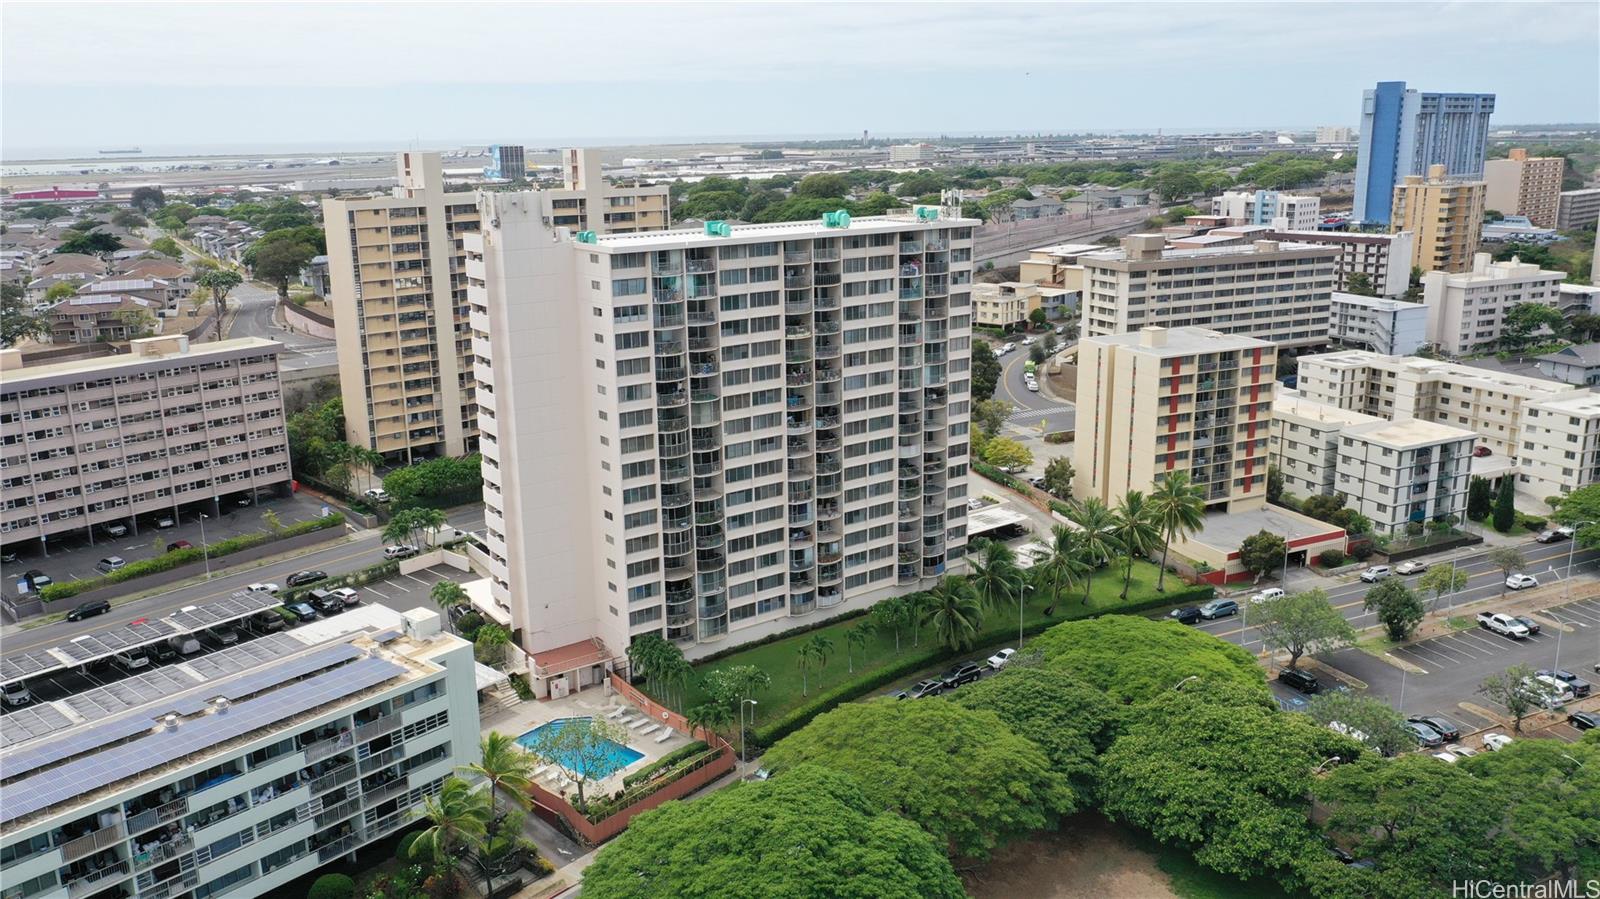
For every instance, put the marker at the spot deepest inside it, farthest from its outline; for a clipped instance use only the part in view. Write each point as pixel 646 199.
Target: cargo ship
pixel 131 151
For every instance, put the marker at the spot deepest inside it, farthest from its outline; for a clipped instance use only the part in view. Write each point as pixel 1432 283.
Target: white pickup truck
pixel 1502 624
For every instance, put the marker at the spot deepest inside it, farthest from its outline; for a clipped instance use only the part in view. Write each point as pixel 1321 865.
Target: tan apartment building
pixel 1057 266
pixel 397 278
pixel 1468 310
pixel 1384 258
pixel 1525 185
pixel 100 441
pixel 716 434
pixel 1445 215
pixel 1268 290
pixel 1305 442
pixel 1189 400
pixel 1010 303
pixel 92 318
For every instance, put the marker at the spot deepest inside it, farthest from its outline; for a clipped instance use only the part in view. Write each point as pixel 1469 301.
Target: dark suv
pixel 964 673
pixel 326 602
pixel 1299 680
pixel 305 577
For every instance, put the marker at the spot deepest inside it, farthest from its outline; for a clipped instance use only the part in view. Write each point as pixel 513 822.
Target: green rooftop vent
pixel 719 229
pixel 927 213
pixel 838 219
pixel 586 237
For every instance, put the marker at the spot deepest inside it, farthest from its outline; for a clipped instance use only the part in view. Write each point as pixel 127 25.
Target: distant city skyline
pixel 391 75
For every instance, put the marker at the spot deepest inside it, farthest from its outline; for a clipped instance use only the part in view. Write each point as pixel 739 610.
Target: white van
pixel 1375 574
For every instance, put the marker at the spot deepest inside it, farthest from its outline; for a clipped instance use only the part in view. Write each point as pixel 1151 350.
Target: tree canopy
pixel 1133 658
pixel 957 772
pixel 985 371
pixel 1551 789
pixel 91 243
pixel 1261 552
pixel 1298 623
pixel 811 833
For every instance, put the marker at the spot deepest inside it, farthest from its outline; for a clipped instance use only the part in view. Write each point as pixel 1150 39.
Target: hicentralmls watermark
pixel 1554 889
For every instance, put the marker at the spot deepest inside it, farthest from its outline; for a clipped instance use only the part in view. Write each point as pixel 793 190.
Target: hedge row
pixel 604 807
pixel 180 557
pixel 800 716
pixel 998 476
pixel 378 572
pixel 666 761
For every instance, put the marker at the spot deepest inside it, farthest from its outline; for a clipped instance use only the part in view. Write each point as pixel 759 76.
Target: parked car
pixel 1375 574
pixel 1298 680
pixel 399 551
pixel 1584 720
pixel 1461 752
pixel 347 596
pixel 1269 593
pixel 1580 687
pixel 176 545
pixel 132 659
pixel 1481 451
pixel 1424 735
pixel 1411 566
pixel 1502 624
pixel 264 588
pixel 9 558
pixel 1548 537
pixel 185 645
pixel 999 659
pixel 1567 531
pixel 1219 608
pixel 1032 385
pixel 15 694
pixel 1495 742
pixel 162 652
pixel 1529 623
pixel 930 687
pixel 1551 693
pixel 302 610
pixel 110 564
pixel 1440 724
pixel 1521 581
pixel 325 602
pixel 37 580
pixel 1446 756
pixel 377 495
pixel 1061 329
pixel 117 529
pixel 964 673
pixel 301 578
pixel 165 521
pixel 265 622
pixel 1027 341
pixel 89 609
pixel 1339 727
pixel 1185 615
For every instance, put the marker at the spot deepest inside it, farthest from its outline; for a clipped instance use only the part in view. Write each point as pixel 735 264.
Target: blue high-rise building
pixel 1405 131
pixel 506 162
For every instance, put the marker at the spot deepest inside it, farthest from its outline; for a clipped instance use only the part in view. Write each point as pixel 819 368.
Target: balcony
pixel 671 295
pixel 797 281
pixel 700 266
pixel 671 399
pixel 824 254
pixel 796 257
pixel 90 843
pixel 910 247
pixel 94 881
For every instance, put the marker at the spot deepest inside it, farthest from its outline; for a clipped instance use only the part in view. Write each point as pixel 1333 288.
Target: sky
pixel 378 75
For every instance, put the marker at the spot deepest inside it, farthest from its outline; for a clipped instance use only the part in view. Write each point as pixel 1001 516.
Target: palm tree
pixel 675 675
pixel 1065 564
pixel 448 595
pixel 916 605
pixel 856 638
pixel 1095 540
pixel 368 459
pixel 219 282
pixel 1178 506
pixel 995 574
pixel 1135 529
pixel 893 614
pixel 955 611
pixel 504 764
pixel 645 654
pixel 489 644
pixel 708 719
pixel 804 656
pixel 456 818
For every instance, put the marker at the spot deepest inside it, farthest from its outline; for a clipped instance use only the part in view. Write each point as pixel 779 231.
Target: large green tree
pixel 1217 769
pixel 1399 610
pixel 93 243
pixel 281 262
pixel 1582 506
pixel 960 773
pixel 985 371
pixel 1480 498
pixel 1003 452
pixel 1133 658
pixel 1058 475
pixel 1379 725
pixel 17 320
pixel 1505 511
pixel 1262 552
pixel 1302 622
pixel 218 282
pixel 954 611
pixel 1551 790
pixel 811 833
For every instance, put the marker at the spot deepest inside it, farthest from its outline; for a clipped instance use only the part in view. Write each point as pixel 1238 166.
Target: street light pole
pixel 1020 594
pixel 743 755
pixel 205 551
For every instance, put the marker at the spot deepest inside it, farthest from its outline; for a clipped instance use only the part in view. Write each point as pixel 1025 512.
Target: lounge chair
pixel 640 723
pixel 665 736
pixel 649 730
pixel 621 710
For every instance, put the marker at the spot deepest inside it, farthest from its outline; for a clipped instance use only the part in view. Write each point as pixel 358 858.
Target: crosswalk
pixel 1034 414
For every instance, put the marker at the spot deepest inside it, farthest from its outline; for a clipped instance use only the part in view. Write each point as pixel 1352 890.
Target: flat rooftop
pixel 1225 531
pixel 198 352
pixel 1069 249
pixel 1410 432
pixel 1586 403
pixel 696 237
pixel 1181 341
pixel 1117 254
pixel 1454 372
pixel 1383 304
pixel 1287 404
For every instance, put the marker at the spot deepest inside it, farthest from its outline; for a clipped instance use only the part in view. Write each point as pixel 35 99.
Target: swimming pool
pixel 615 758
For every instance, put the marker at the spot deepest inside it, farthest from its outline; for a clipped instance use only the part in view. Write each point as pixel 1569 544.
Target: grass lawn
pixel 780 660
pixel 1460 622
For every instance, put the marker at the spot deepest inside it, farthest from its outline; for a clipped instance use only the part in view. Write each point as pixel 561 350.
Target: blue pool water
pixel 617 756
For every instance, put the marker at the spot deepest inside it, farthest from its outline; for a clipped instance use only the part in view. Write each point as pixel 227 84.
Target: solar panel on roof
pixel 27 724
pixel 80 776
pixel 386 636
pixel 16 666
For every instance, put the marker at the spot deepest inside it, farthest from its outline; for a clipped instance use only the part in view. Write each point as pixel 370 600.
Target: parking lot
pixel 399 593
pixel 74 556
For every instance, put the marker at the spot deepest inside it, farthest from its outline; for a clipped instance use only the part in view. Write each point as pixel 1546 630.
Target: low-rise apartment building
pixel 1403 474
pixel 1379 324
pixel 1269 290
pixel 1446 216
pixel 715 435
pixel 1384 258
pixel 1059 265
pixel 1468 310
pixel 239 771
pixel 93 318
pixel 100 441
pixel 1010 303
pixel 1578 208
pixel 1560 445
pixel 1269 207
pixel 1525 185
pixel 1305 442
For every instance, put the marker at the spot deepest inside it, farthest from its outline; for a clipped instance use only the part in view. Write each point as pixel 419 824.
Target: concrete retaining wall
pixel 304 321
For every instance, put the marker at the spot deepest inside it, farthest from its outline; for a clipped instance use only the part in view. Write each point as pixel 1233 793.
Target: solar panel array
pixel 160 747
pixel 131 693
pixel 18 665
pixel 245 655
pixel 104 643
pixel 283 672
pixel 74 742
pixel 222 611
pixel 26 724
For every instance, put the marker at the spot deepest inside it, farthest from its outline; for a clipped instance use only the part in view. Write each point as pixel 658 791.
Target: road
pixel 254 318
pixel 363 550
pixel 1030 406
pixel 1009 242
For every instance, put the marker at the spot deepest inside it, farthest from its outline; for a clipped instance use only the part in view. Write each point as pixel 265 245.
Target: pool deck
pixel 597 702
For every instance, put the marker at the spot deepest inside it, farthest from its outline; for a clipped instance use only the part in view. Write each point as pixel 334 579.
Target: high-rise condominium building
pixel 1269 207
pixel 1469 309
pixel 714 435
pixel 396 269
pixel 506 162
pixel 119 439
pixel 1525 185
pixel 1384 258
pixel 1335 134
pixel 1201 399
pixel 1268 290
pixel 1446 216
pixel 236 772
pixel 1404 132
pixel 1578 209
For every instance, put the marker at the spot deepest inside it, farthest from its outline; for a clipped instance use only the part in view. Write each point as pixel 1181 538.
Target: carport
pixel 996 523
